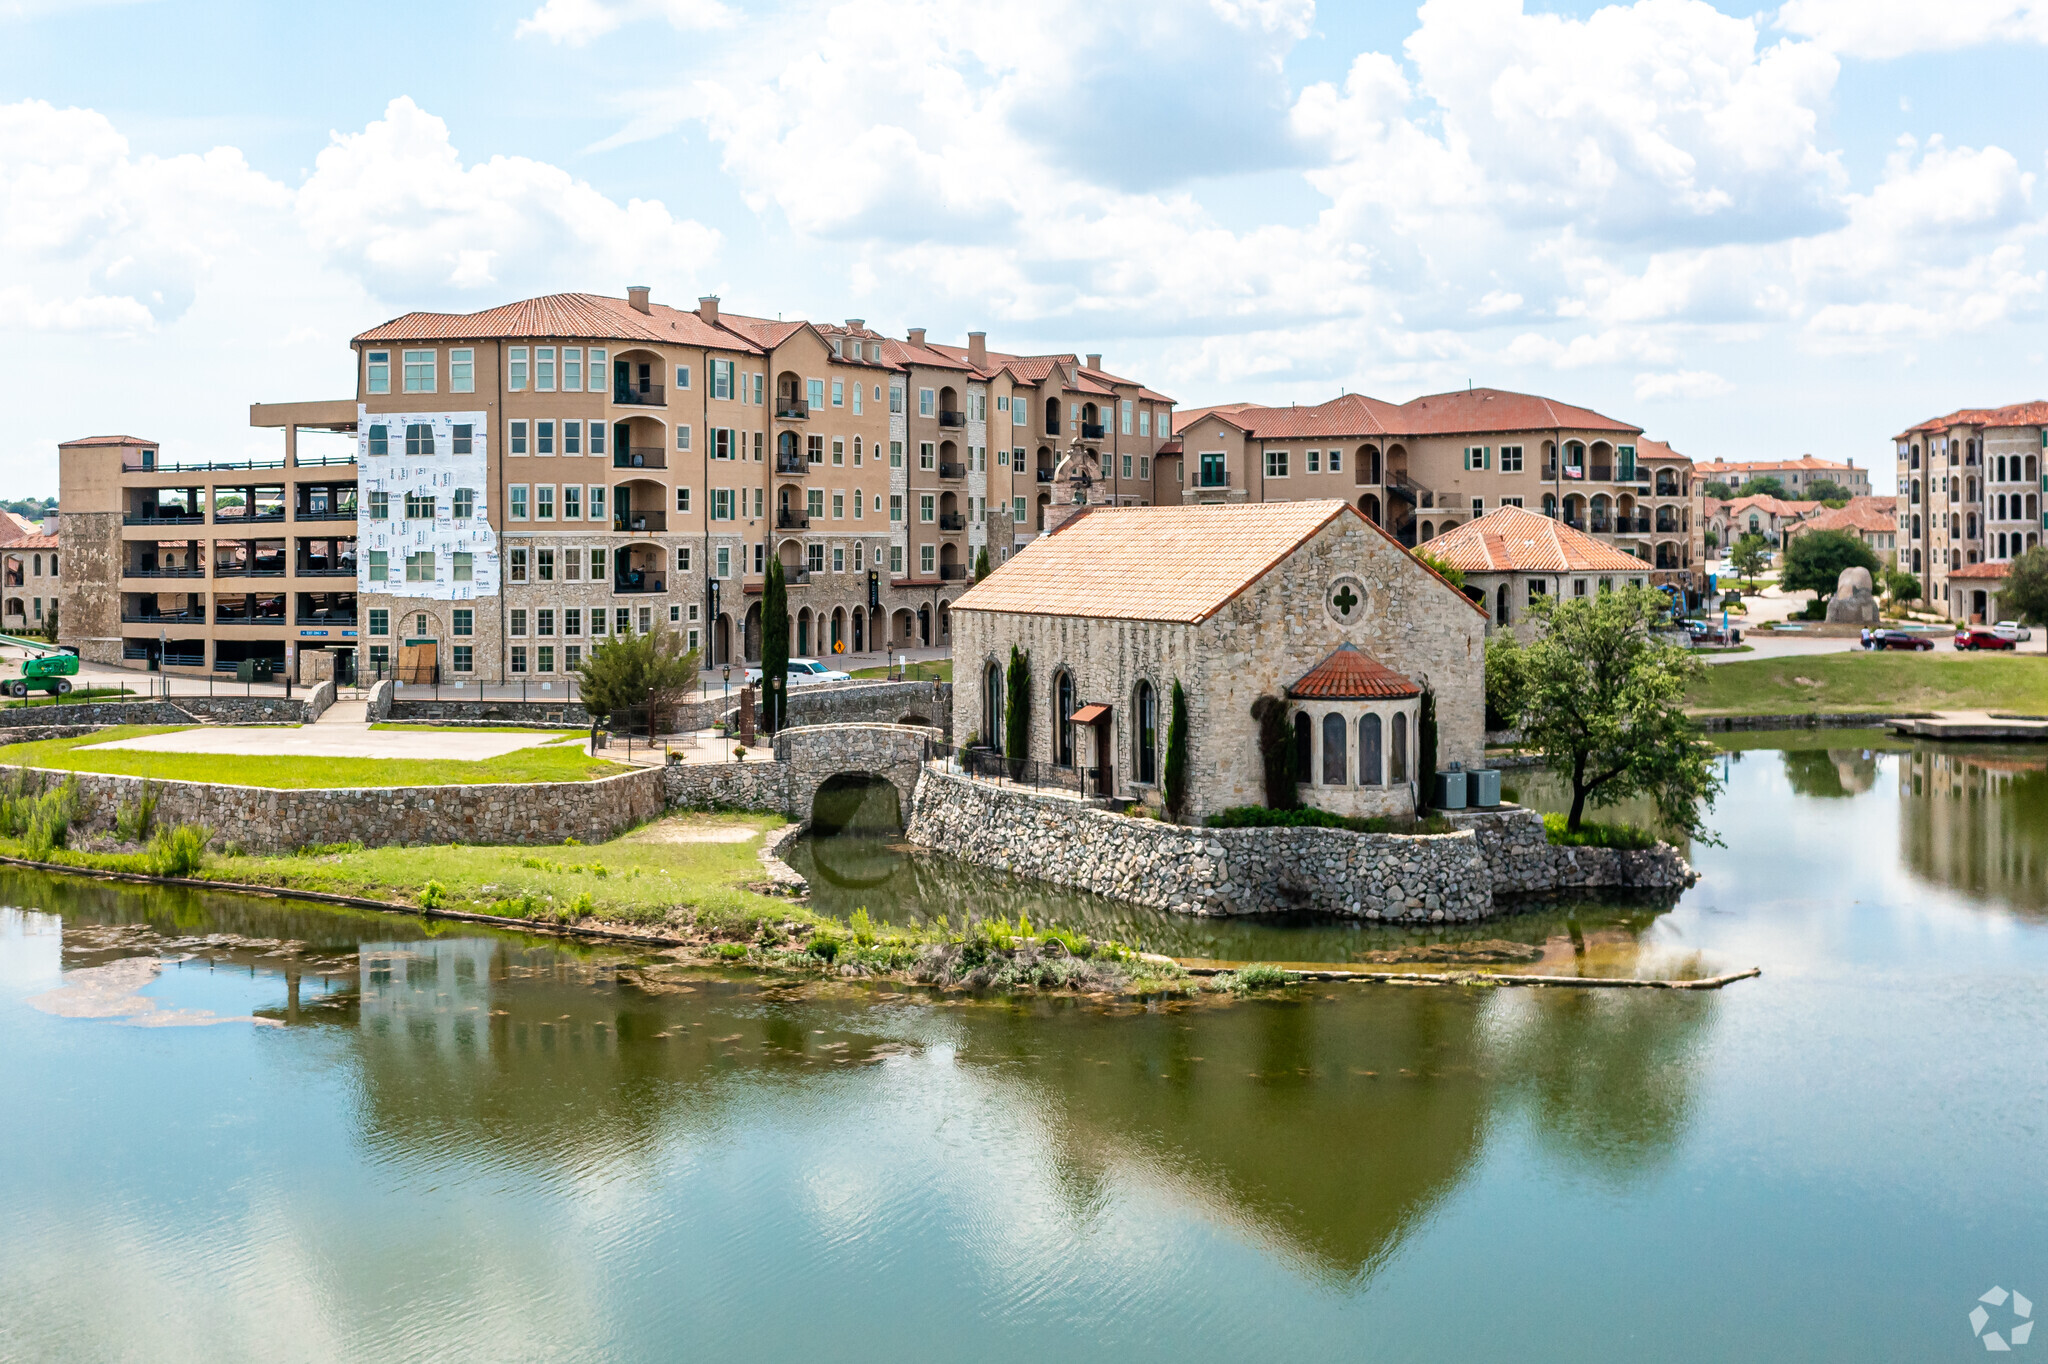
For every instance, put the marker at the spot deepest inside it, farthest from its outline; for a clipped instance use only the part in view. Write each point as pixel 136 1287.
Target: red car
pixel 1981 637
pixel 1898 639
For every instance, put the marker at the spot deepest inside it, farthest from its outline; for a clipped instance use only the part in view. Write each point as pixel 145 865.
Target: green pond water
pixel 246 1129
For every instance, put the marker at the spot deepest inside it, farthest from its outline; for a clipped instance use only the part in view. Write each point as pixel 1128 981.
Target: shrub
pixel 862 927
pixel 1276 752
pixel 1260 817
pixel 180 851
pixel 1593 834
pixel 730 951
pixel 432 895
pixel 1259 976
pixel 825 945
pixel 582 907
pixel 132 819
pixel 327 849
pixel 48 821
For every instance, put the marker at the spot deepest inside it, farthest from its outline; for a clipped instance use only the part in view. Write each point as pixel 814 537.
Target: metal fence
pixel 986 764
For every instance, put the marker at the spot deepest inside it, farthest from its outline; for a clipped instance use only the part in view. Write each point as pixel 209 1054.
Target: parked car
pixel 807 670
pixel 1897 639
pixel 1706 632
pixel 2012 630
pixel 1982 637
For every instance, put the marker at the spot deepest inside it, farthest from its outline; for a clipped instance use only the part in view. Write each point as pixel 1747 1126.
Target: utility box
pixel 1448 791
pixel 1483 787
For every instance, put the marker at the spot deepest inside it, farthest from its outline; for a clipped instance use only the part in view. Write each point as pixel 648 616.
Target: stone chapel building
pixel 1307 602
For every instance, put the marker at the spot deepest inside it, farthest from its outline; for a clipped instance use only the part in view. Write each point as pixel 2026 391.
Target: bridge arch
pixel 835 757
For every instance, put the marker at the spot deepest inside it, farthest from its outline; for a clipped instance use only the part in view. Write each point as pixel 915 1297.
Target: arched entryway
pixel 856 802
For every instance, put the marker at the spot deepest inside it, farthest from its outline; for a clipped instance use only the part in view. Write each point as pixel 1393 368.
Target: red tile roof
pixel 1804 464
pixel 1865 517
pixel 105 440
pixel 1463 411
pixel 2016 414
pixel 1658 452
pixel 1348 675
pixel 31 542
pixel 569 315
pixel 1516 540
pixel 1985 570
pixel 17 529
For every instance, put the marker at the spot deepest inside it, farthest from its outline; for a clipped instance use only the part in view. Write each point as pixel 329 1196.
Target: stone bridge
pixel 815 754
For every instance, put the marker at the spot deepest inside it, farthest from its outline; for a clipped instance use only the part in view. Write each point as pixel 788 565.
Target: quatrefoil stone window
pixel 1345 600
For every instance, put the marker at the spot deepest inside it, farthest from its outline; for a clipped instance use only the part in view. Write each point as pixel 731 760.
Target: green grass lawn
pixel 546 762
pixel 399 727
pixel 73 697
pixel 1882 682
pixel 937 670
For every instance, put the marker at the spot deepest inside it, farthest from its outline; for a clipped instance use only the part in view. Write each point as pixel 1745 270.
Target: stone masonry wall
pixel 185 710
pixel 1203 871
pixel 738 786
pixel 269 821
pixel 881 703
pixel 1523 860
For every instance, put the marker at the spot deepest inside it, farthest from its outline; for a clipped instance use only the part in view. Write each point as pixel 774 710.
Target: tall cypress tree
pixel 981 568
pixel 1175 775
pixel 1017 712
pixel 774 649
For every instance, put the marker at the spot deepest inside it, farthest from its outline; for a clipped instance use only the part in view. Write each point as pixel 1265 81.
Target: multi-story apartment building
pixel 1426 466
pixel 1796 474
pixel 201 564
pixel 538 476
pixel 1969 499
pixel 28 574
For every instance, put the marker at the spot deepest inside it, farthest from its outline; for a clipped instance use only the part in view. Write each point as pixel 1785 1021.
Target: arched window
pixel 1397 751
pixel 992 707
pixel 1304 747
pixel 1052 416
pixel 1062 727
pixel 1336 764
pixel 1550 505
pixel 1369 751
pixel 1500 605
pixel 785 451
pixel 1148 734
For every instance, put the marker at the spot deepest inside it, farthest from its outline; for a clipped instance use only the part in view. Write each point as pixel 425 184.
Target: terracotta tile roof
pixel 760 330
pixel 1658 452
pixel 1172 447
pixel 1853 517
pixel 1474 411
pixel 594 316
pixel 1517 540
pixel 2016 414
pixel 16 527
pixel 1184 563
pixel 1775 506
pixel 1348 675
pixel 105 440
pixel 1804 464
pixel 37 541
pixel 1985 570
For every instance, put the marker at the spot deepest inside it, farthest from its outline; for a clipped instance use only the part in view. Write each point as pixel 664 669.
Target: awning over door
pixel 1088 715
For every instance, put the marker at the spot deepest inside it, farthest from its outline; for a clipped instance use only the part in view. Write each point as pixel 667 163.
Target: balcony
pixel 637 584
pixel 791 466
pixel 164 516
pixel 1092 431
pixel 637 522
pixel 1212 478
pixel 785 519
pixel 262 568
pixel 1601 473
pixel 136 616
pixel 644 395
pixel 640 457
pixel 952 572
pixel 200 466
pixel 952 521
pixel 1044 474
pixel 792 410
pixel 952 470
pixel 347 513
pixel 134 571
pixel 244 517
pixel 952 420
pixel 796 575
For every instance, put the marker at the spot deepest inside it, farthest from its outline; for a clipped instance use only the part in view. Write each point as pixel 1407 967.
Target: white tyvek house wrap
pixel 438 474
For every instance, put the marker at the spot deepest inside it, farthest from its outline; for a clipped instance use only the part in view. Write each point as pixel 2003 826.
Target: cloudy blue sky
pixel 1754 232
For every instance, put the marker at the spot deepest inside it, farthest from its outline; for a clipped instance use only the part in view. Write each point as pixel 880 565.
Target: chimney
pixel 636 294
pixel 707 308
pixel 977 349
pixel 916 335
pixel 1095 361
pixel 854 324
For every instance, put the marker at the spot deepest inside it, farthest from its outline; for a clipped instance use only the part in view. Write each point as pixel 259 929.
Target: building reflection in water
pixel 1977 821
pixel 1831 772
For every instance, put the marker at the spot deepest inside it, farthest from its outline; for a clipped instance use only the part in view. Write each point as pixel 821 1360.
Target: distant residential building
pixel 1423 467
pixel 1306 602
pixel 1756 514
pixel 1512 558
pixel 1796 474
pixel 1873 520
pixel 1970 487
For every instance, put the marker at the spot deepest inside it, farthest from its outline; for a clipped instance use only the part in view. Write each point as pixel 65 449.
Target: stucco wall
pixel 1270 635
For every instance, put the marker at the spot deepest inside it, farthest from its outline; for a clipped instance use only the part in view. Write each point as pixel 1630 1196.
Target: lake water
pixel 334 1135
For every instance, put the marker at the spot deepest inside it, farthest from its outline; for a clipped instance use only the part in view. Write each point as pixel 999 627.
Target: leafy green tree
pixel 1503 680
pixel 1815 561
pixel 1827 490
pixel 1901 586
pixel 1174 775
pixel 774 649
pixel 1017 711
pixel 2025 593
pixel 981 568
pixel 1763 485
pixel 1748 554
pixel 1713 540
pixel 1600 698
pixel 627 678
pixel 1425 740
pixel 1718 489
pixel 1451 574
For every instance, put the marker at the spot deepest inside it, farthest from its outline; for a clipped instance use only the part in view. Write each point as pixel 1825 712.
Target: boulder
pixel 1854 602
